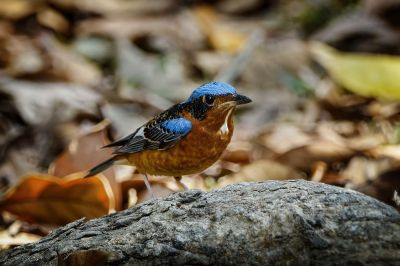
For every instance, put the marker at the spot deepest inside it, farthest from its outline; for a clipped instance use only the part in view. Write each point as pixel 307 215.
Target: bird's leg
pixel 179 182
pixel 148 186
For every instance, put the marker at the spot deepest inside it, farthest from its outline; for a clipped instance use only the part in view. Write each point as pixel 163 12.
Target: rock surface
pixel 267 223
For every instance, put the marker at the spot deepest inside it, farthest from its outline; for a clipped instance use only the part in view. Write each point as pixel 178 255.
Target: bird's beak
pixel 241 99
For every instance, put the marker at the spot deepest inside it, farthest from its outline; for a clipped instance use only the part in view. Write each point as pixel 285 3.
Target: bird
pixel 185 139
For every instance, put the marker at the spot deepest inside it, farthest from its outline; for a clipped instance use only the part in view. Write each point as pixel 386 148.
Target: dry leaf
pixel 178 31
pixel 6 240
pixel 51 200
pixel 43 102
pixel 53 20
pixel 221 37
pixel 364 74
pixel 17 9
pixel 85 152
pixel 67 65
pixel 388 151
pixel 304 157
pixel 259 171
pixel 286 137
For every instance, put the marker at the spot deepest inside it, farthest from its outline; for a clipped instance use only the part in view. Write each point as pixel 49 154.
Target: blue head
pixel 210 91
pixel 215 88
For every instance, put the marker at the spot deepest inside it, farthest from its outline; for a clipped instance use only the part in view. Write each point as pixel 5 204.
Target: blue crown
pixel 213 88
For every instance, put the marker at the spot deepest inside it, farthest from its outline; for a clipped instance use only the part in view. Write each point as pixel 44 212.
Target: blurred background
pixel 324 76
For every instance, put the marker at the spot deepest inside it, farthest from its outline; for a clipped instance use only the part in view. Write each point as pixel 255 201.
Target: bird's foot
pixel 148 186
pixel 179 182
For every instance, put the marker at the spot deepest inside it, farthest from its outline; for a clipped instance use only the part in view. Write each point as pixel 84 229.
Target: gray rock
pixel 267 223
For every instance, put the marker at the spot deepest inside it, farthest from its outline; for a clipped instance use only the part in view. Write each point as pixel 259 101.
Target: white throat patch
pixel 224 128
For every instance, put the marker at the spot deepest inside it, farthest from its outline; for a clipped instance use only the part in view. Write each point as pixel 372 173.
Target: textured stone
pixel 267 223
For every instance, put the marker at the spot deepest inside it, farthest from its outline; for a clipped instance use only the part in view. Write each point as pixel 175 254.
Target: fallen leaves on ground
pixel 53 200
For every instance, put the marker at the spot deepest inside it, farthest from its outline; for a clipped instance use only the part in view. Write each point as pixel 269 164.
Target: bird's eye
pixel 208 99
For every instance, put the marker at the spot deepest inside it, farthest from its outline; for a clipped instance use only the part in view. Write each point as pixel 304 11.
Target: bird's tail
pixel 102 166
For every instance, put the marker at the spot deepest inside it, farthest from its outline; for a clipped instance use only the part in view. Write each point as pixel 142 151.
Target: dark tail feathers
pixel 101 167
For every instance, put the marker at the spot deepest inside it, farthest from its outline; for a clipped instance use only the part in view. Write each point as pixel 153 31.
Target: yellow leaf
pixel 52 200
pixel 220 36
pixel 369 75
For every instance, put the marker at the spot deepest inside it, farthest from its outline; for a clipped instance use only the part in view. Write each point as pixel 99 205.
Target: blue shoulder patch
pixel 179 126
pixel 213 88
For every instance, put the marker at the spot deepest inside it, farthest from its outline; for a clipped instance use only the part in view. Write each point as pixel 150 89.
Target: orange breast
pixel 194 153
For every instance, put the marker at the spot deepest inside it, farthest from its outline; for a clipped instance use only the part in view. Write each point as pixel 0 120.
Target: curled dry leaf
pixel 52 200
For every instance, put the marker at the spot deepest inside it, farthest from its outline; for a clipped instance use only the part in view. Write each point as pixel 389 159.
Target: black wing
pixel 155 135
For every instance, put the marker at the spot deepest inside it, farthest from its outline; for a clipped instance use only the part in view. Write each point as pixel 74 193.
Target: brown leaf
pixel 221 37
pixel 17 9
pixel 53 19
pixel 303 157
pixel 51 200
pixel 286 137
pixel 85 152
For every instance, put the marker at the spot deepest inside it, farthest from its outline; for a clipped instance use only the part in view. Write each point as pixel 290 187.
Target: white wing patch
pixel 224 128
